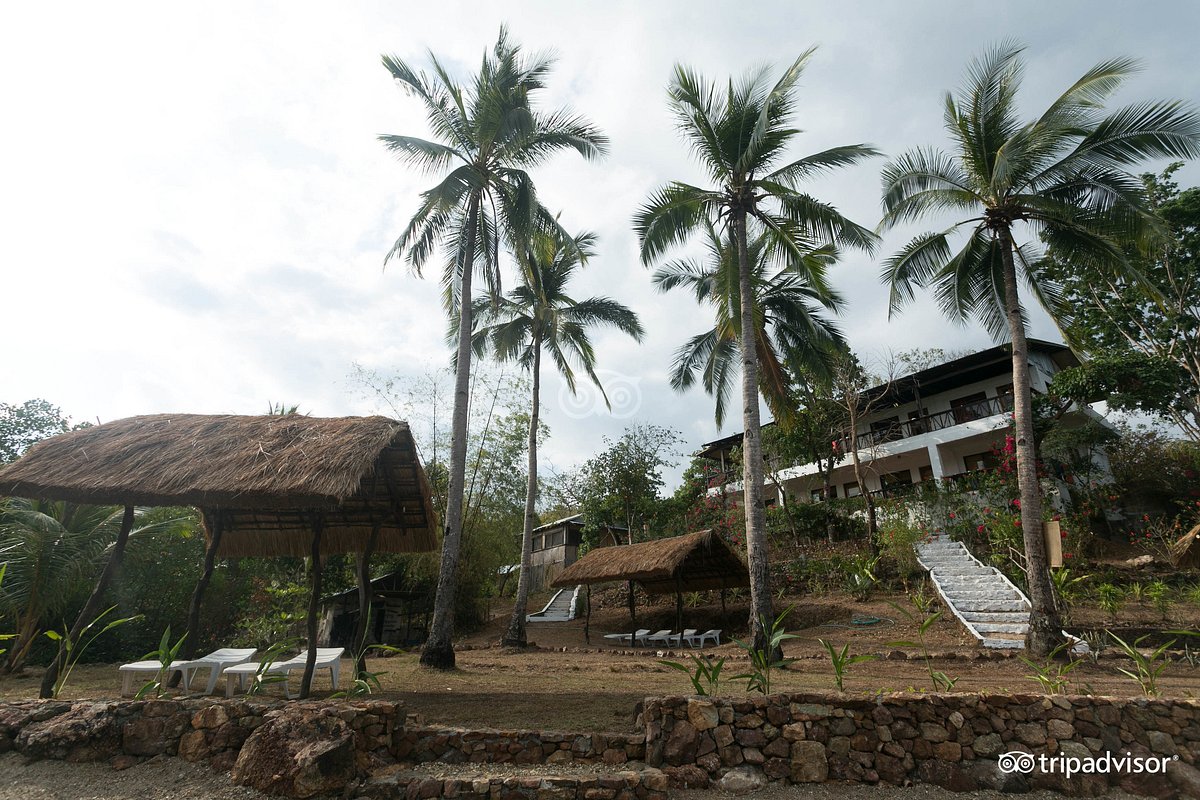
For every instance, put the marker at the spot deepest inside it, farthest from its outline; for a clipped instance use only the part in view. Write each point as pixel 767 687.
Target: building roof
pixel 693 562
pixel 938 378
pixel 266 478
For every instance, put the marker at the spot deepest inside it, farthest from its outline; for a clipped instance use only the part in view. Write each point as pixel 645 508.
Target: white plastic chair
pixel 698 640
pixel 625 638
pixel 329 658
pixel 664 636
pixel 216 662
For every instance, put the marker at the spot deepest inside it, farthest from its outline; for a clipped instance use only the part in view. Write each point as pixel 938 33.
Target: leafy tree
pixel 922 358
pixel 1143 348
pixel 26 424
pixel 619 487
pixel 1061 177
pixel 536 316
pixel 740 133
pixel 490 135
pixel 52 549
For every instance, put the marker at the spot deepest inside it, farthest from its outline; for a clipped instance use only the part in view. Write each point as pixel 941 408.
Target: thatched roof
pixel 687 563
pixel 266 477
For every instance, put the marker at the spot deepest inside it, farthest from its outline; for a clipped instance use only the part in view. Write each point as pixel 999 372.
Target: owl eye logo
pixel 624 397
pixel 1016 761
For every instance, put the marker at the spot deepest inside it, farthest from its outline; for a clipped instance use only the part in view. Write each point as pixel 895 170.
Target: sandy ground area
pixel 175 779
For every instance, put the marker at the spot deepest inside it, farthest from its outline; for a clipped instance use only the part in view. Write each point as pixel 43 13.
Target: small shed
pixel 689 563
pixel 556 547
pixel 265 485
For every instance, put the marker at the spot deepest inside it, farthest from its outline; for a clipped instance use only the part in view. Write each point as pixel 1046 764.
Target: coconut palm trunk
pixel 438 651
pixel 1045 627
pixel 752 459
pixel 515 636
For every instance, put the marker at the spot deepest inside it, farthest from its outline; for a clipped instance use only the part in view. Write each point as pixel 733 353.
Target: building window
pixel 926 474
pixel 556 538
pixel 973 406
pixel 981 461
pixel 818 494
pixel 917 422
pixel 1005 393
pixel 850 489
pixel 895 480
pixel 886 430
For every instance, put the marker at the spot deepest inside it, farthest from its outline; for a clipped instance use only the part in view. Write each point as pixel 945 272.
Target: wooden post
pixel 314 608
pixel 587 617
pixel 722 601
pixel 364 601
pixel 678 607
pixel 214 524
pixel 92 606
pixel 632 619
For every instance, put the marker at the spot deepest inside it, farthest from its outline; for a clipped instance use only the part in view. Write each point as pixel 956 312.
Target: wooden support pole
pixel 587 617
pixel 92 606
pixel 722 601
pixel 314 608
pixel 364 602
pixel 214 524
pixel 678 607
pixel 632 615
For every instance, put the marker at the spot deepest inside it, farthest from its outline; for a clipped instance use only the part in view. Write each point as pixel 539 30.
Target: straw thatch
pixel 1185 553
pixel 268 479
pixel 689 563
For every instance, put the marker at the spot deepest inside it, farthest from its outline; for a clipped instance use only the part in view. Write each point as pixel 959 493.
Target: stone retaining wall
pixel 457 746
pixel 950 740
pixel 195 729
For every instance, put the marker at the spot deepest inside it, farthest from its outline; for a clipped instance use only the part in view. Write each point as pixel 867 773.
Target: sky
pixel 195 208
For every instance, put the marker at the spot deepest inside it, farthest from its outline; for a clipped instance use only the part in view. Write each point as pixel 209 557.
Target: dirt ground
pixel 565 683
pixel 175 779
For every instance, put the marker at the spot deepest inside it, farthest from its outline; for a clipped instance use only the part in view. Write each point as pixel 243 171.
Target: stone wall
pixel 195 729
pixel 458 746
pixel 950 740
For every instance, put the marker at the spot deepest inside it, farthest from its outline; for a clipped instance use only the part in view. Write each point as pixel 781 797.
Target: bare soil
pixel 567 683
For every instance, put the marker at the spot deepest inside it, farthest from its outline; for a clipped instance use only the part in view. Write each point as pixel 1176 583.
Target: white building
pixel 938 423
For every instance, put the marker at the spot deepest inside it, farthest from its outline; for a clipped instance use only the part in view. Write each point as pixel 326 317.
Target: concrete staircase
pixel 561 607
pixel 982 598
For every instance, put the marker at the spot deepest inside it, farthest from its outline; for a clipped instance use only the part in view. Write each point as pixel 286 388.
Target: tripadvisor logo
pixel 1016 761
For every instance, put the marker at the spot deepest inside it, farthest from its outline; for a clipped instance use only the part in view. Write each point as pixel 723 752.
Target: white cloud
pixel 196 208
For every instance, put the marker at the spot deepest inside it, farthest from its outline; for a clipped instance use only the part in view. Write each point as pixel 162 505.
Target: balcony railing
pixel 935 422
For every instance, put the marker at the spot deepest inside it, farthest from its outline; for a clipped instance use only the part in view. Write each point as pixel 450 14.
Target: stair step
pixel 990 605
pixel 1001 627
pixel 1004 644
pixel 996 617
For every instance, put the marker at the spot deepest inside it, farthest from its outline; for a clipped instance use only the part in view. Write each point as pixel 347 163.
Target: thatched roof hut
pixel 688 563
pixel 263 476
pixel 266 485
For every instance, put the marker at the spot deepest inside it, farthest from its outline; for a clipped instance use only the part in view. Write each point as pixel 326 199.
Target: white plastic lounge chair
pixel 686 636
pixel 215 662
pixel 329 658
pixel 697 640
pixel 664 636
pixel 624 638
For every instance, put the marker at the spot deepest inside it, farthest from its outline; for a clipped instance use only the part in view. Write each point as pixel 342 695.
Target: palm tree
pixel 739 133
pixel 536 316
pixel 790 335
pixel 1060 177
pixel 489 136
pixel 51 549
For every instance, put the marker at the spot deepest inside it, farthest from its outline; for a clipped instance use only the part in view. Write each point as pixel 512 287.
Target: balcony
pixel 958 415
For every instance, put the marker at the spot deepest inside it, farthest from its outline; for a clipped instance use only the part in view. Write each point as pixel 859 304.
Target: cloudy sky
pixel 195 208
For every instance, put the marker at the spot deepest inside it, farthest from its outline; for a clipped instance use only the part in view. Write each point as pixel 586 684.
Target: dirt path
pixel 157 779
